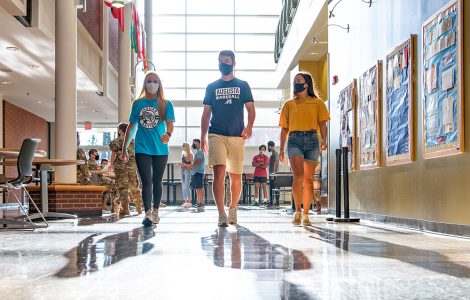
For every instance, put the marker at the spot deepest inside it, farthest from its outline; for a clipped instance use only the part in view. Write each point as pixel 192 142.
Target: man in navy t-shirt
pixel 224 101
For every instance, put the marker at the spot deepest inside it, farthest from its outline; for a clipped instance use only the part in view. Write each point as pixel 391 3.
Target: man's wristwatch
pixel 169 133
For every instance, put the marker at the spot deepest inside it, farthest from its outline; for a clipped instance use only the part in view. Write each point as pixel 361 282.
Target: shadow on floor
pixel 427 259
pixel 92 255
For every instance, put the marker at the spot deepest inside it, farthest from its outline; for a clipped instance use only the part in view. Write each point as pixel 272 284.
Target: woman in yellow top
pixel 300 119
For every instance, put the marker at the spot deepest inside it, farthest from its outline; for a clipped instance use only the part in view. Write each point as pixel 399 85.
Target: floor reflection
pixel 93 254
pixel 242 249
pixel 427 259
pixel 112 218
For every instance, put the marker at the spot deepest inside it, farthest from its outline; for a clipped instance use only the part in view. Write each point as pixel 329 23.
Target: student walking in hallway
pixel 224 105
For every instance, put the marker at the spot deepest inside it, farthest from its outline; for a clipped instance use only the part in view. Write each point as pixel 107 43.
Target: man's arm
pixel 206 117
pixel 247 131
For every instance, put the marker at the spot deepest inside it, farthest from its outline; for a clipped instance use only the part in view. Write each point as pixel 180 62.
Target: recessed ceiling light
pixel 33 66
pixel 6 70
pixel 6 82
pixel 39 101
pixel 322 42
pixel 313 53
pixel 12 48
pixel 95 111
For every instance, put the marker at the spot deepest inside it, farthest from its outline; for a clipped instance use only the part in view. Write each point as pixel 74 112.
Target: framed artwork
pixel 369 108
pixel 347 105
pixel 399 100
pixel 443 82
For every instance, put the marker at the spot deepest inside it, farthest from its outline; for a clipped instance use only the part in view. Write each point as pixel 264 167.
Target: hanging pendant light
pixel 118 3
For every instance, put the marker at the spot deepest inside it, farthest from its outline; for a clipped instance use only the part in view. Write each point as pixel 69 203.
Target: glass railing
pixel 289 8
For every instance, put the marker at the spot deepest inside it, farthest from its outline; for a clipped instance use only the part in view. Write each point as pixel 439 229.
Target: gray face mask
pixel 152 87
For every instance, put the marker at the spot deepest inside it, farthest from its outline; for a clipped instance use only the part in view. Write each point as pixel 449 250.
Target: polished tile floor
pixel 264 257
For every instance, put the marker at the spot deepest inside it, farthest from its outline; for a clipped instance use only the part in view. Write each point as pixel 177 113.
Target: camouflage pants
pixel 134 185
pixel 122 184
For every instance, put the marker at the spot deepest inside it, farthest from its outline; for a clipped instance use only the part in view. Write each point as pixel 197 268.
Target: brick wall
pixel 19 124
pixel 113 40
pixel 79 200
pixel 92 19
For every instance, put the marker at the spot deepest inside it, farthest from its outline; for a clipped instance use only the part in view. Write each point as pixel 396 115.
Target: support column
pixel 65 88
pixel 105 39
pixel 124 102
pixel 149 29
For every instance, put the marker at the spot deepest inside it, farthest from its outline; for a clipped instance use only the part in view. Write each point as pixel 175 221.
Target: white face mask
pixel 152 87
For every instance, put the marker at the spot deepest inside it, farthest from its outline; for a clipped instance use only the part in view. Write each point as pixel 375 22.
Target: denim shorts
pixel 305 144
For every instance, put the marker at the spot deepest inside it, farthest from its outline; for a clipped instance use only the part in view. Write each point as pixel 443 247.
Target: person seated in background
pixel 261 163
pixel 104 164
pixel 102 180
pixel 83 174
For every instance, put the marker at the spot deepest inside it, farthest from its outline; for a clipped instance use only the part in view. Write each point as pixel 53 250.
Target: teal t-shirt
pixel 200 167
pixel 149 130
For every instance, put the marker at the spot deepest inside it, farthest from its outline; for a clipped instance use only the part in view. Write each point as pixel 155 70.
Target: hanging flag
pixel 118 13
pixel 138 36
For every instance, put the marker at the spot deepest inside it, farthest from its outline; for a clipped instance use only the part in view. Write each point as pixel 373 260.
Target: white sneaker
pixel 232 216
pixel 154 216
pixel 147 219
pixel 222 220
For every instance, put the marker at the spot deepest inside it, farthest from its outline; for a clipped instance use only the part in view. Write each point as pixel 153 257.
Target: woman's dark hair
pixel 311 91
pixel 262 146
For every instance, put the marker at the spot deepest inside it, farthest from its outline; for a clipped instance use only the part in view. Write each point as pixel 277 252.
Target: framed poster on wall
pixel 443 82
pixel 399 100
pixel 369 108
pixel 347 106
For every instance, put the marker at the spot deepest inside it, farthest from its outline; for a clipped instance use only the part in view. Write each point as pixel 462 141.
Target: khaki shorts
pixel 228 151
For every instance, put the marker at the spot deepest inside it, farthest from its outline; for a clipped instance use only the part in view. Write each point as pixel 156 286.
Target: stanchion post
pixel 338 183
pixel 346 182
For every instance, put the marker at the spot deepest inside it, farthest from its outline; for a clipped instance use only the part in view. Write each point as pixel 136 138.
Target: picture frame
pixel 442 82
pixel 400 70
pixel 347 103
pixel 369 110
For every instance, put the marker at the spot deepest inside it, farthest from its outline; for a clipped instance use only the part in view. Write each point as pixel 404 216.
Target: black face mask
pixel 194 146
pixel 299 87
pixel 97 157
pixel 225 69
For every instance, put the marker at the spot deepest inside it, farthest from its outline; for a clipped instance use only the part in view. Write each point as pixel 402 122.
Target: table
pixel 43 165
pixel 13 153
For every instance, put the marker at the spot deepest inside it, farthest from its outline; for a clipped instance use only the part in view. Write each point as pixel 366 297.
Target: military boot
pixel 125 209
pixel 117 207
pixel 138 208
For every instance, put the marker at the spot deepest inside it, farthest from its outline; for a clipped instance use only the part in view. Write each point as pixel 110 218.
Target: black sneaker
pixel 256 203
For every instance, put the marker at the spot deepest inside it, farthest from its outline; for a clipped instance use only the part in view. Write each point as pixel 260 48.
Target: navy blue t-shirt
pixel 227 100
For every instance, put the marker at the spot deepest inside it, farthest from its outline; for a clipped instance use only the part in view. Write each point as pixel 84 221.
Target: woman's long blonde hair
pixel 160 95
pixel 186 150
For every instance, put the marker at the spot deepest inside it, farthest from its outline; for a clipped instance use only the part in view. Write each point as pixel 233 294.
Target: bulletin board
pixel 369 108
pixel 347 106
pixel 399 101
pixel 442 82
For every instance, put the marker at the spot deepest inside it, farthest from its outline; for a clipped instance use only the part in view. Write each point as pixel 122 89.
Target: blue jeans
pixel 185 182
pixel 305 144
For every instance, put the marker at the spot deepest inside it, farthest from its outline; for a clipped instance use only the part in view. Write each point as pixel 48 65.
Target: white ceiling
pixel 29 72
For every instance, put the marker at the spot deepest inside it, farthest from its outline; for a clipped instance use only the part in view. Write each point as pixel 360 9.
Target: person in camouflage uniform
pixel 127 181
pixel 83 174
pixel 92 164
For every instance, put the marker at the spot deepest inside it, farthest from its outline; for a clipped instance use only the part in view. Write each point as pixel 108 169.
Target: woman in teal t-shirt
pixel 151 122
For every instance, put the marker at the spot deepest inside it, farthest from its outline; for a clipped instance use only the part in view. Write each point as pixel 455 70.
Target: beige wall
pixel 435 190
pixel 319 71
